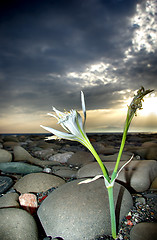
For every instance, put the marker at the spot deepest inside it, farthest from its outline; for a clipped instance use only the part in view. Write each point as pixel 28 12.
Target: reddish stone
pixel 42 198
pixel 29 202
pixel 128 217
pixel 129 223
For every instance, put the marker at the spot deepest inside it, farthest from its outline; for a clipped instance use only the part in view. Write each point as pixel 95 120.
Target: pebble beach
pixel 41 198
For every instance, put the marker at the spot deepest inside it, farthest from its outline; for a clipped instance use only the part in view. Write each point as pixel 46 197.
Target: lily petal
pixel 83 107
pixel 108 184
pixel 52 138
pixel 70 124
pixel 52 115
pixel 79 118
pixel 124 165
pixel 91 180
pixel 60 134
pixel 59 113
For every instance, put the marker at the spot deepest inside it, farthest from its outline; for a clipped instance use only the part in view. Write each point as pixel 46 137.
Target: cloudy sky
pixel 51 50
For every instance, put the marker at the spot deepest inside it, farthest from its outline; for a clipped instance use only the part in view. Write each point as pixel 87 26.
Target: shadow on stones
pixel 118 204
pixel 129 173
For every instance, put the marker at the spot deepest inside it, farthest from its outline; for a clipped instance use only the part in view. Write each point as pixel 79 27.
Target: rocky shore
pixel 40 197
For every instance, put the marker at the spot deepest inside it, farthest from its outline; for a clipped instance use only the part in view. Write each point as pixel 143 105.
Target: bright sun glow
pixel 149 106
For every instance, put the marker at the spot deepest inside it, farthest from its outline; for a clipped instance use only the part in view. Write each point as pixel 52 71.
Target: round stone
pixel 66 173
pixel 10 138
pixel 9 200
pixel 77 212
pixel 20 154
pixel 19 168
pixel 102 149
pixel 144 231
pixel 61 157
pixel 154 184
pixel 5 156
pixel 17 224
pixel 5 183
pixel 37 182
pixel 10 145
pixel 80 158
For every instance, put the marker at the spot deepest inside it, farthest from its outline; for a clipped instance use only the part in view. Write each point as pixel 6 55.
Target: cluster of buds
pixel 137 101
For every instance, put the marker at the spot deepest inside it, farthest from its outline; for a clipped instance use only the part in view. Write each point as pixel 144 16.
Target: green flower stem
pixel 112 211
pixel 126 127
pixel 103 168
pixel 88 145
pixel 109 189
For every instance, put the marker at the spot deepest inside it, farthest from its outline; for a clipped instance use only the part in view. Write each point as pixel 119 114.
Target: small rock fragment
pixel 29 202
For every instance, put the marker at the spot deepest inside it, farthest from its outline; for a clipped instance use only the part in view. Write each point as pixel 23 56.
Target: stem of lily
pixel 88 145
pixel 103 168
pixel 112 211
pixel 109 189
pixel 126 127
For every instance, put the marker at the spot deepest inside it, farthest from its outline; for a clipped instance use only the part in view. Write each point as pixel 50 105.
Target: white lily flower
pixel 72 123
pixel 74 126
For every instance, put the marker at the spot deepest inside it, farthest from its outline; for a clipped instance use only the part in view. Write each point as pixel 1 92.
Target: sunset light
pixel 53 50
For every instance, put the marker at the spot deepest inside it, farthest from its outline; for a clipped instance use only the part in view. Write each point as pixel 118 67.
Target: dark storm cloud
pixel 41 41
pixel 141 70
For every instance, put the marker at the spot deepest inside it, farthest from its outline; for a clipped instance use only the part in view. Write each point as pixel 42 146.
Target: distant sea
pixel 88 133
